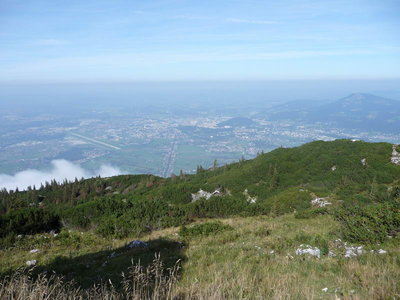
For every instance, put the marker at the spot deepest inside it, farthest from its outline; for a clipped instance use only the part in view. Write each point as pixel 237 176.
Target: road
pixel 170 161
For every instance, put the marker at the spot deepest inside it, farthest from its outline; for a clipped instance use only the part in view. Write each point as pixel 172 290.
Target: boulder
pixel 307 249
pixel 31 263
pixel 137 244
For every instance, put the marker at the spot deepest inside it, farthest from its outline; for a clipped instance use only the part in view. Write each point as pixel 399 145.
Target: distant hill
pixel 361 111
pixel 238 122
pixel 357 111
pixel 292 110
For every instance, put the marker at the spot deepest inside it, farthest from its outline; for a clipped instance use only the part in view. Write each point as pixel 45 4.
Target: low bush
pixel 205 229
pixel 218 207
pixel 370 224
pixel 28 221
pixel 288 201
pixel 310 213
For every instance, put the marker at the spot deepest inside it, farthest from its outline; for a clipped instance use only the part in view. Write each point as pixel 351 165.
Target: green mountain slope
pixel 264 210
pixel 278 182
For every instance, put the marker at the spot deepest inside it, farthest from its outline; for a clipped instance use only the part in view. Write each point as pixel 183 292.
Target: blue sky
pixel 198 40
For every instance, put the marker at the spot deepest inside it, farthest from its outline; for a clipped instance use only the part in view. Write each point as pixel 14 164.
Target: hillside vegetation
pixel 311 222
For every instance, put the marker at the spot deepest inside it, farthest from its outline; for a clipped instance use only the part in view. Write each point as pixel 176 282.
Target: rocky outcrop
pixel 342 249
pixel 353 251
pixel 320 202
pixel 206 195
pixel 307 249
pixel 249 198
pixel 31 263
pixel 395 159
pixel 137 244
pixel 364 162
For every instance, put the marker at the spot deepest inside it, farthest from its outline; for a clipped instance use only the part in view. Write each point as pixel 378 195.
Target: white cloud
pixel 60 170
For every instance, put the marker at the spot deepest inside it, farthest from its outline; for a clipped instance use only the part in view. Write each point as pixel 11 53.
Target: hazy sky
pixel 86 40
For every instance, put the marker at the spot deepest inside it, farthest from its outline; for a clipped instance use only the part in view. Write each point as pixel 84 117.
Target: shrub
pixel 204 229
pixel 28 221
pixel 288 201
pixel 120 227
pixel 310 213
pixel 8 241
pixel 370 224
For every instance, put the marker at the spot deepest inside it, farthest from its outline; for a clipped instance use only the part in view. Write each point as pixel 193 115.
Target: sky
pixel 167 40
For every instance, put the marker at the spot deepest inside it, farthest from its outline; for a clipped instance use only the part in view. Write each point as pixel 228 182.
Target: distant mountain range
pixel 357 111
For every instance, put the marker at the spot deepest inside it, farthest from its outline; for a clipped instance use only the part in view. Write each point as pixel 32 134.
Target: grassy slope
pixel 234 264
pixel 237 263
pixel 311 164
pixel 308 165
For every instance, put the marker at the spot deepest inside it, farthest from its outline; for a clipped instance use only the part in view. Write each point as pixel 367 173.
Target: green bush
pixel 310 213
pixel 288 201
pixel 120 227
pixel 370 224
pixel 205 229
pixel 28 221
pixel 8 240
pixel 218 207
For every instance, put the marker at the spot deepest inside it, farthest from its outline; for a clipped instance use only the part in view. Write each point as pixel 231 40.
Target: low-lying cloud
pixel 60 170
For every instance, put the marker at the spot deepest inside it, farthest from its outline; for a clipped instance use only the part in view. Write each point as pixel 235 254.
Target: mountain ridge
pixel 359 111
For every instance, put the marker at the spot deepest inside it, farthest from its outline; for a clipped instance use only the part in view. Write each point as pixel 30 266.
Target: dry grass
pixel 151 282
pixel 238 264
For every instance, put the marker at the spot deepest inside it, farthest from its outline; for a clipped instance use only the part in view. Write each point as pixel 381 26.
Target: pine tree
pixel 215 164
pixel 274 178
pixel 199 169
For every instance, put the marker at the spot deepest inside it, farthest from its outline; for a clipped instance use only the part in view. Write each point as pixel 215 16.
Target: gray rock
pixel 395 159
pixel 320 202
pixel 307 249
pixel 204 194
pixel 137 244
pixel 353 251
pixel 31 263
pixel 364 162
